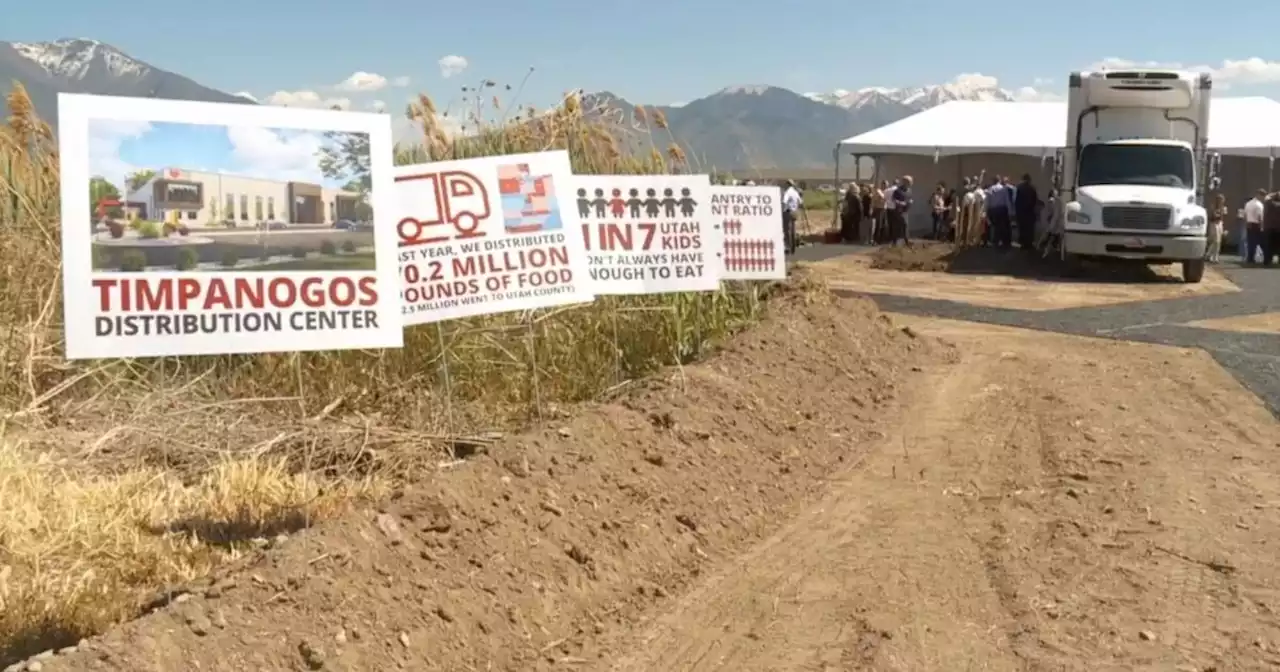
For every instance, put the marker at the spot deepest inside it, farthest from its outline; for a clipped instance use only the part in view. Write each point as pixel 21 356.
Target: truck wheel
pixel 1192 271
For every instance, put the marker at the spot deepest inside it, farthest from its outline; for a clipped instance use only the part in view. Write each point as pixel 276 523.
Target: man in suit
pixel 1025 207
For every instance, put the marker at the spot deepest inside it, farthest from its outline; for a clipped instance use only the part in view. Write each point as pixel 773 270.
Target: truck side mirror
pixel 1215 183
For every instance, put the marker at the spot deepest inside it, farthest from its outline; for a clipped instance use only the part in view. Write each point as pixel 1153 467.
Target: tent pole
pixel 1271 170
pixel 835 212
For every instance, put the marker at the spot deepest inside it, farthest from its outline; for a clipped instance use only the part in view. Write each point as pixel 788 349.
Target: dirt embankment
pixel 1052 503
pixel 533 553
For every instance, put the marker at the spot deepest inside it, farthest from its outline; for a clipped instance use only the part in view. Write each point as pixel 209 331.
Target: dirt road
pixel 1051 503
pixel 1004 280
pixel 833 491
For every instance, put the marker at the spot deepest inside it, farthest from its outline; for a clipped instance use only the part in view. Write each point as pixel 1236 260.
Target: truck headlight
pixel 1193 223
pixel 1077 217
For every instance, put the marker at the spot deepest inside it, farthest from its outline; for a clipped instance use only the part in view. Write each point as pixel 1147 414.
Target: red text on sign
pixel 240 293
pixel 461 201
pixel 609 237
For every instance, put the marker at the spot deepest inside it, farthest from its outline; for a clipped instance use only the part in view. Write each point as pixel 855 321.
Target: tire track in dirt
pixel 1052 503
pixel 828 591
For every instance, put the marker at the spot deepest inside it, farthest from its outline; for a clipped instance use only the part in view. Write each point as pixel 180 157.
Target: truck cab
pixel 1135 171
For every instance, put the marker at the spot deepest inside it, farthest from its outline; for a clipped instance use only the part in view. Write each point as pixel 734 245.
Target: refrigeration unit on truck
pixel 1134 175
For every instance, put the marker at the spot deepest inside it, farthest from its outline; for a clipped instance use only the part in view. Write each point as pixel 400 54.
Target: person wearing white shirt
pixel 1253 211
pixel 887 195
pixel 791 204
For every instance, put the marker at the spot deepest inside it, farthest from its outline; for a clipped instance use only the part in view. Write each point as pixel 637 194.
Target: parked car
pixel 272 226
pixel 344 225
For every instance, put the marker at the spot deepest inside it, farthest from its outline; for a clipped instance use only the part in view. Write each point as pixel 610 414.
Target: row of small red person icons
pixel 750 263
pixel 732 227
pixel 756 247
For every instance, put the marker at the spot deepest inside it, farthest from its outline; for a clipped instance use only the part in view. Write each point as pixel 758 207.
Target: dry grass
pixel 119 478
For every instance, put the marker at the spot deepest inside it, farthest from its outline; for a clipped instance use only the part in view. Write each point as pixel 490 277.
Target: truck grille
pixel 1139 217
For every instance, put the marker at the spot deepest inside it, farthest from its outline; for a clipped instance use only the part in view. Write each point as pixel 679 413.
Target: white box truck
pixel 1135 172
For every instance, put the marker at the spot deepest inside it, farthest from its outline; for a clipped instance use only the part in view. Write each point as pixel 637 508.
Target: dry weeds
pixel 119 478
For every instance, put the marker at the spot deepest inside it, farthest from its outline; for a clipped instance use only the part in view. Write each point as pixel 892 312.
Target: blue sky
pixel 117 148
pixel 656 51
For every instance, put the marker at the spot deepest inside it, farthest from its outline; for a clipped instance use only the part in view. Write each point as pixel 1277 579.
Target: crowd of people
pixel 973 213
pixel 997 211
pixel 1261 241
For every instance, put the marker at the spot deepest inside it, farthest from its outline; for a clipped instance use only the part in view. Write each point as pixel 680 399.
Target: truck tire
pixel 1192 271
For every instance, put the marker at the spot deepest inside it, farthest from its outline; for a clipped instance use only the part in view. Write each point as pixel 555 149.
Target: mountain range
pixel 736 128
pixel 89 66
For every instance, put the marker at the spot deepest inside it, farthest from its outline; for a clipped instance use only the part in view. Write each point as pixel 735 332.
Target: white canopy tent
pixel 1237 127
pixel 963 138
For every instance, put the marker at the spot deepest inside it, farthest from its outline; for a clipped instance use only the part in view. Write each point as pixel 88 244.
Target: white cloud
pixel 1252 70
pixel 105 139
pixel 452 65
pixel 276 155
pixel 974 80
pixel 378 106
pixel 1034 93
pixel 247 96
pixel 401 81
pixel 307 99
pixel 1229 73
pixel 361 81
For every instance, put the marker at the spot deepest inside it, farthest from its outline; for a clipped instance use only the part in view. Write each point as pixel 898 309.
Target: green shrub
pixel 101 260
pixel 328 249
pixel 133 261
pixel 349 247
pixel 299 253
pixel 187 259
pixel 230 258
pixel 149 230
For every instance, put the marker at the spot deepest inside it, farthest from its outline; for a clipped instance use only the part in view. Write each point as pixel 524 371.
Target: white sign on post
pixel 649 234
pixel 751 218
pixel 195 228
pixel 488 235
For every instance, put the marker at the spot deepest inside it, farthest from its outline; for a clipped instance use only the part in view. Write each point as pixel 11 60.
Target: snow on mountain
pixel 914 97
pixel 77 58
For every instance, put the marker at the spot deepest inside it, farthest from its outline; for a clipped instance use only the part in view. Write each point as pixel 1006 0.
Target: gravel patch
pixel 1253 358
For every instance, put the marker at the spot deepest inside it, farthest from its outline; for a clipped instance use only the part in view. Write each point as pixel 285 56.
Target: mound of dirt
pixel 534 552
pixel 919 256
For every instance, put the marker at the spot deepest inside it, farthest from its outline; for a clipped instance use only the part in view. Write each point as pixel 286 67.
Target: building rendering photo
pixel 198 199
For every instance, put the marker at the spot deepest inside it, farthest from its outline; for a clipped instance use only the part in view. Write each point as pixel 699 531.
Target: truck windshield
pixel 1150 165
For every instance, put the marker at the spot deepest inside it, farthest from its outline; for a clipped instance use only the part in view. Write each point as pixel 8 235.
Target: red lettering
pixel 648 230
pixel 169 294
pixel 342 292
pixel 104 287
pixel 285 300
pixel 217 297
pixel 155 296
pixel 312 292
pixel 369 290
pixel 188 291
pixel 250 293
